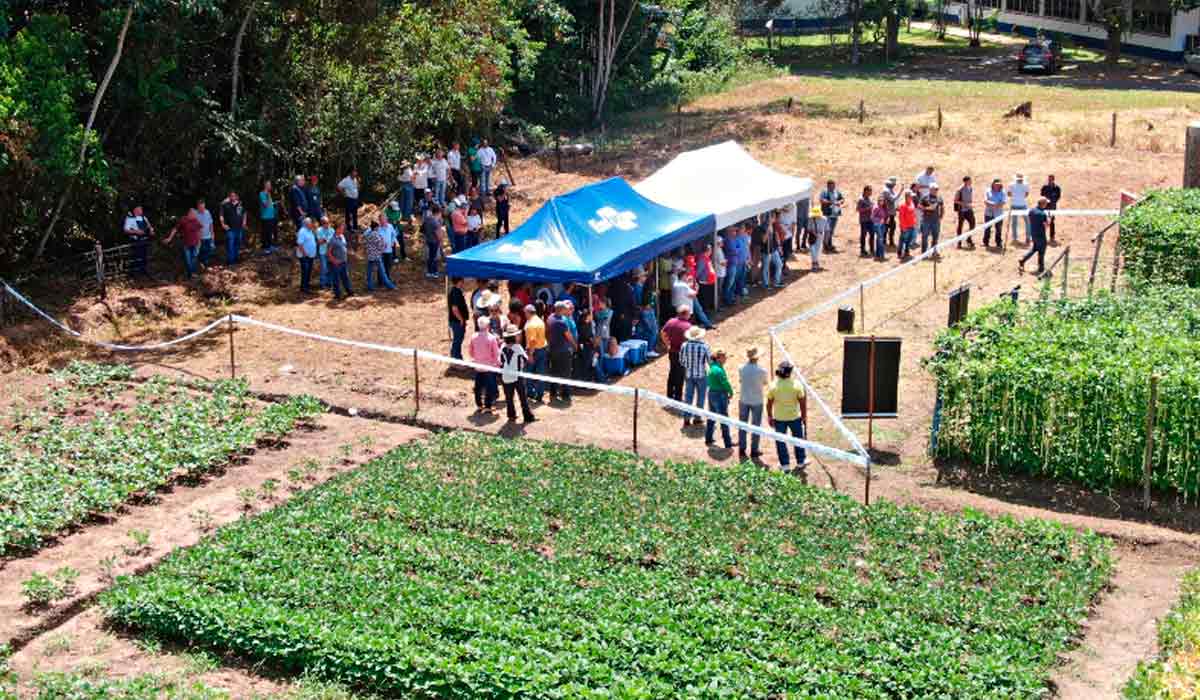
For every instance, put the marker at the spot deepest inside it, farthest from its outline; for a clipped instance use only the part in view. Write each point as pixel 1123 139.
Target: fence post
pixel 1150 420
pixel 100 271
pixel 862 111
pixel 416 384
pixel 1116 263
pixel 679 124
pixel 232 361
pixel 867 485
pixel 558 152
pixel 1066 270
pixel 637 396
pixel 1113 141
pixel 1191 158
pixel 935 261
pixel 1095 262
pixel 770 352
pixel 939 117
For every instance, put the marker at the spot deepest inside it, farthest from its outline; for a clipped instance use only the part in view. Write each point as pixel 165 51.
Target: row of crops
pixel 94 440
pixel 476 567
pixel 1062 388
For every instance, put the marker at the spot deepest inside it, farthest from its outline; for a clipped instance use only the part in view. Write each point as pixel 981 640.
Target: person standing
pixel 454 160
pixel 421 178
pixel 753 380
pixel 720 269
pixel 742 247
pixel 474 164
pixel 673 335
pixel 926 181
pixel 268 217
pixel 994 202
pixel 439 169
pixel 932 211
pixel 906 213
pixel 719 393
pixel 535 343
pixel 706 279
pixel 820 229
pixel 298 202
pixel 459 315
pixel 233 222
pixel 773 253
pixel 787 410
pixel 562 345
pixel 694 357
pixel 879 220
pixel 485 350
pixel 866 228
pixel 431 233
pixel 395 218
pixel 389 234
pixel 474 226
pixel 1052 192
pixel 513 361
pixel 964 209
pixel 502 209
pixel 1018 203
pixel 188 228
pixel 375 246
pixel 407 190
pixel 348 188
pixel 458 230
pixel 787 219
pixel 205 217
pixel 832 202
pixel 487 162
pixel 892 197
pixel 324 235
pixel 306 251
pixel 313 195
pixel 1037 235
pixel 339 263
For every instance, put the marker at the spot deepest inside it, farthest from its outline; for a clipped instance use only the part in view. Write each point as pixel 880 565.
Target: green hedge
pixel 1160 238
pixel 478 567
pixel 1062 388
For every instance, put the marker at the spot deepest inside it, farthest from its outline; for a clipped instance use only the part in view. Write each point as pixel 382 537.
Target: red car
pixel 1041 55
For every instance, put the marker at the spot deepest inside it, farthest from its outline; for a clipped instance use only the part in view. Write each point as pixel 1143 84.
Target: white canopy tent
pixel 723 180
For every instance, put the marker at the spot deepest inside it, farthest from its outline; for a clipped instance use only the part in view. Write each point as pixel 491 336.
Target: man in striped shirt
pixel 694 357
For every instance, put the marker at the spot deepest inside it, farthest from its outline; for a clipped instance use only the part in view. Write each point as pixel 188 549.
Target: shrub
pixel 1062 388
pixel 479 567
pixel 1160 238
pixel 40 590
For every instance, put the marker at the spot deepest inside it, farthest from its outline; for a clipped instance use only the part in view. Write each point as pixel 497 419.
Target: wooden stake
pixel 558 152
pixel 637 396
pixel 232 362
pixel 1113 141
pixel 1066 270
pixel 939 117
pixel 934 258
pixel 871 396
pixel 416 383
pixel 862 111
pixel 867 485
pixel 862 307
pixel 1150 420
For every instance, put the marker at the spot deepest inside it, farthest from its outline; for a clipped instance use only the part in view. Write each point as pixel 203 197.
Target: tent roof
pixel 589 235
pixel 725 180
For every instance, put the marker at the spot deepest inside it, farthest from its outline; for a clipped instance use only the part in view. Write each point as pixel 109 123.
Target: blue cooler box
pixel 616 365
pixel 635 351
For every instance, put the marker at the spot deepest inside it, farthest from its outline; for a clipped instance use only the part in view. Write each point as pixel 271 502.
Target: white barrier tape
pixel 842 428
pixel 111 346
pixel 825 450
pixel 1070 212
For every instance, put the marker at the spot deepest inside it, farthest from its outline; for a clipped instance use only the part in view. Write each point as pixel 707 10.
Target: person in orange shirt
pixel 906 214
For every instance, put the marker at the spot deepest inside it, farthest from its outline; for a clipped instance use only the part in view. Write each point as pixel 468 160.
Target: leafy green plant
pixel 203 520
pixel 139 543
pixel 1160 238
pixel 1062 388
pixel 108 567
pixel 268 489
pixel 1178 644
pixel 40 590
pixel 470 566
pixel 248 497
pixel 311 467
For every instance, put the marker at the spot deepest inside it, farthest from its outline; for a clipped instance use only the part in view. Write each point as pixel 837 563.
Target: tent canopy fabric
pixel 723 180
pixel 589 235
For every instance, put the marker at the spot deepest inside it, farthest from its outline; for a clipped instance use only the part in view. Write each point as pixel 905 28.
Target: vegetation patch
pixel 1176 671
pixel 1062 388
pixel 1160 238
pixel 478 567
pixel 95 442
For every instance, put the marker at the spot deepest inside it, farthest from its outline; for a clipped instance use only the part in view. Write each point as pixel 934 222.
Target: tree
pixel 1116 16
pixel 605 41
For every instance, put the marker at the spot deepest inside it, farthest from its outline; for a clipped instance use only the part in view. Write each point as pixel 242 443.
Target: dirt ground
pixel 899 138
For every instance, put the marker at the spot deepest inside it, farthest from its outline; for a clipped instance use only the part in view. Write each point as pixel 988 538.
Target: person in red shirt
pixel 189 228
pixel 673 335
pixel 906 215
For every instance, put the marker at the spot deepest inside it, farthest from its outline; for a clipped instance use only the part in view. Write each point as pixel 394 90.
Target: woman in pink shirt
pixel 458 230
pixel 485 350
pixel 879 219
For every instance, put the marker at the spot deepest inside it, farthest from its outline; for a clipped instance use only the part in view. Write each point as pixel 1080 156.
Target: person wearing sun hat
pixel 485 350
pixel 787 409
pixel 513 361
pixel 820 230
pixel 752 378
pixel 892 195
pixel 719 393
pixel 694 357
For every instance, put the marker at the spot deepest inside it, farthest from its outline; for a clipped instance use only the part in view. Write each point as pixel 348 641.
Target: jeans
pixel 540 363
pixel 460 183
pixel 486 180
pixel 388 260
pixel 189 259
pixel 517 388
pixel 930 228
pixel 326 278
pixel 351 213
pixel 965 216
pixel 675 377
pixel 406 200
pixel 472 239
pixel 458 332
pixel 431 257
pixel 439 192
pixel 560 367
pixel 829 234
pixel 866 237
pixel 233 245
pixel 908 240
pixel 206 251
pixel 880 240
pixel 1039 248
pixel 752 414
pixel 743 274
pixel 486 392
pixel 698 312
pixel 306 265
pixel 773 262
pixel 998 226
pixel 140 250
pixel 375 272
pixel 797 428
pixel 458 242
pixel 695 387
pixel 269 228
pixel 340 275
pixel 728 286
pixel 815 248
pixel 1017 221
pixel 718 403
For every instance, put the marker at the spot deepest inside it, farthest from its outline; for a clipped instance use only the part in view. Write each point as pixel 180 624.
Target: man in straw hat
pixel 1018 201
pixel 513 360
pixel 891 195
pixel 787 409
pixel 752 378
pixel 694 357
pixel 719 393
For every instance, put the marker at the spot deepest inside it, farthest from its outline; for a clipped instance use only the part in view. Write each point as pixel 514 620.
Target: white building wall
pixel 1185 23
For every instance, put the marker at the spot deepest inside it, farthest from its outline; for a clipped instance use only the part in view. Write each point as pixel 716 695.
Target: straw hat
pixel 512 332
pixel 694 333
pixel 487 300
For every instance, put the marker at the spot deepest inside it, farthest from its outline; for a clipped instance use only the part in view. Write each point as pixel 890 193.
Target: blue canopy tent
pixel 589 235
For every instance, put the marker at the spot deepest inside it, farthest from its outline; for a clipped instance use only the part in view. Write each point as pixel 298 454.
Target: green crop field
pixel 96 439
pixel 477 567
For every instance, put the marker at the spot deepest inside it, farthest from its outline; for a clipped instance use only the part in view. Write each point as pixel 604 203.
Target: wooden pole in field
pixel 934 258
pixel 867 485
pixel 232 363
pixel 1112 142
pixel 416 384
pixel 1148 456
pixel 558 153
pixel 939 117
pixel 1066 270
pixel 637 395
pixel 1191 158
pixel 862 111
pixel 862 307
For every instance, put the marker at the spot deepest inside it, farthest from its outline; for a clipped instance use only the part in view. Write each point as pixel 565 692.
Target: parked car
pixel 1039 54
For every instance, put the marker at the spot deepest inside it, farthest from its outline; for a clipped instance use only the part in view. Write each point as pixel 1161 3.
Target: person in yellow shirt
pixel 535 345
pixel 787 409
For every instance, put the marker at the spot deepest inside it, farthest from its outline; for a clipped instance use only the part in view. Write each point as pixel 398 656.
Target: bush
pixel 1061 388
pixel 479 567
pixel 1160 238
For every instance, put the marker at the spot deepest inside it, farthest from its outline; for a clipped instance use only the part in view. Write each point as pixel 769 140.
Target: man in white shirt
pixel 440 170
pixel 454 159
pixel 205 217
pixel 487 159
pixel 420 177
pixel 1018 205
pixel 348 188
pixel 389 234
pixel 407 191
pixel 137 227
pixel 306 252
pixel 926 180
pixel 753 381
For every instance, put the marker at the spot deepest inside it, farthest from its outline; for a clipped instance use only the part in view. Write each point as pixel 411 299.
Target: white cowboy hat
pixel 694 333
pixel 487 300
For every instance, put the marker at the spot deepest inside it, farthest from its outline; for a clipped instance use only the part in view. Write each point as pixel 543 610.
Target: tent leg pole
pixel 716 285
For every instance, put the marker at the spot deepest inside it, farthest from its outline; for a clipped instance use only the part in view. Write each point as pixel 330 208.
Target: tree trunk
pixel 1113 45
pixel 608 41
pixel 237 57
pixel 892 39
pixel 855 32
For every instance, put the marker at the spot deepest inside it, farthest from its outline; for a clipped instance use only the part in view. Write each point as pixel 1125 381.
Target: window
pixel 1029 7
pixel 1155 19
pixel 1063 9
pixel 984 5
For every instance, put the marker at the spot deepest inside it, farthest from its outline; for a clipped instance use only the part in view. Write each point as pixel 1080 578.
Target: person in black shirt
pixel 1052 192
pixel 313 195
pixel 501 210
pixel 459 314
pixel 1037 235
pixel 298 202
